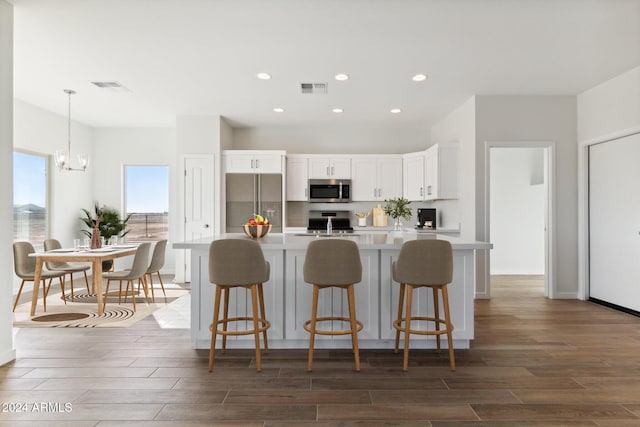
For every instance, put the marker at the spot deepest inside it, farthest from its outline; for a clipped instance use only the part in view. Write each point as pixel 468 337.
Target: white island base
pixel 288 297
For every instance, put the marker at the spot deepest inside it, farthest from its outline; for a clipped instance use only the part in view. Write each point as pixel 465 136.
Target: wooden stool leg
pixel 263 316
pixel 225 316
pixel 86 281
pixel 161 284
pixel 447 319
pixel 354 326
pixel 214 326
pixel 400 306
pixel 15 304
pixel 436 314
pixel 314 313
pixel 254 310
pixel 407 327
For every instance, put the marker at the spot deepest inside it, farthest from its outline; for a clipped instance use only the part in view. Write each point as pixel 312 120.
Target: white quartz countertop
pixel 377 240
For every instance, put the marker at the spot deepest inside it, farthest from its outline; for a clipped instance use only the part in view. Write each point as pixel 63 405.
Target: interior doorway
pixel 519 206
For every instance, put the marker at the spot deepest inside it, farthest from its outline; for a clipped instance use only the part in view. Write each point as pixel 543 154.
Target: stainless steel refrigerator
pixel 249 194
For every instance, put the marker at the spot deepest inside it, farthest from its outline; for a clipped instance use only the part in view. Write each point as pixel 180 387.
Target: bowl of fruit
pixel 257 227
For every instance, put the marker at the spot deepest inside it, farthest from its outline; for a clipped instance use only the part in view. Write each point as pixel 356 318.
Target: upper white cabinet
pixel 329 168
pixel 431 174
pixel 376 178
pixel 253 161
pixel 441 172
pixel 297 178
pixel 413 176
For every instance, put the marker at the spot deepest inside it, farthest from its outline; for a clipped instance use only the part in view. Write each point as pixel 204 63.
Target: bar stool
pixel 237 263
pixel 424 263
pixel 333 263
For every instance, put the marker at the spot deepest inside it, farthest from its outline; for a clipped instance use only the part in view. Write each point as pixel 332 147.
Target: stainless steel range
pixel 340 221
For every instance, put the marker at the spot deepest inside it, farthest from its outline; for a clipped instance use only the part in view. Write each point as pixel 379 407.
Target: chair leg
pixel 407 327
pixel 314 312
pixel 150 284
pixel 254 310
pixel 354 326
pixel 71 283
pixel 214 326
pixel 263 316
pixel 225 316
pixel 436 314
pixel 86 281
pixel 15 304
pixel 45 292
pixel 62 281
pixel 447 319
pixel 120 293
pixel 142 281
pixel 133 297
pixel 400 306
pixel 106 292
pixel 161 283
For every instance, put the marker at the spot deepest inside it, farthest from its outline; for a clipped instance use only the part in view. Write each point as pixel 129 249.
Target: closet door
pixel 614 222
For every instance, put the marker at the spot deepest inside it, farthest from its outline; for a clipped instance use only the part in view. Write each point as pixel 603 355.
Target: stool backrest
pixel 424 262
pixel 237 262
pixel 332 262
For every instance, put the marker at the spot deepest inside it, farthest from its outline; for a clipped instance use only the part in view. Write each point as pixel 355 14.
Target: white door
pixel 198 202
pixel 614 223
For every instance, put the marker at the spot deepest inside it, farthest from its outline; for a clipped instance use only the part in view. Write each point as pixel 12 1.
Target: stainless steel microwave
pixel 329 190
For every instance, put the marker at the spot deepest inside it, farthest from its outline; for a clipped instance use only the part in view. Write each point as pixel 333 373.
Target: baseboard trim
pixel 615 306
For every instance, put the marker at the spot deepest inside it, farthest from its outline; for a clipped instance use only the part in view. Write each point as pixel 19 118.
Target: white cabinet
pixel 413 176
pixel 441 172
pixel 250 161
pixel 329 168
pixel 297 179
pixel 431 174
pixel 376 178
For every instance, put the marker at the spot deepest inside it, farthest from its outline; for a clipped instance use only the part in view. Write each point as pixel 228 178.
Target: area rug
pixel 82 312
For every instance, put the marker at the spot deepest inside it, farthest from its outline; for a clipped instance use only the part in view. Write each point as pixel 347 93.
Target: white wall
pixel 368 139
pixel 517 210
pixel 7 352
pixel 115 148
pixel 610 107
pixel 541 119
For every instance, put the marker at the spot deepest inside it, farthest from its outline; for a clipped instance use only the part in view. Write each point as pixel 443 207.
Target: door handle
pixel 206 226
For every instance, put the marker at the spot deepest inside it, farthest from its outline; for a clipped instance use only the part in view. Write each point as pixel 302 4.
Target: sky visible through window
pixel 29 179
pixel 147 189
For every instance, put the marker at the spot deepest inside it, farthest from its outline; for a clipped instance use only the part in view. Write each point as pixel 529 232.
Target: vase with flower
pixel 398 208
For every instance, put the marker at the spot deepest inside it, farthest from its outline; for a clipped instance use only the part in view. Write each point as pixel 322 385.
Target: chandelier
pixel 63 158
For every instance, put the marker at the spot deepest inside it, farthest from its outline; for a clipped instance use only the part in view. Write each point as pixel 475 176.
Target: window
pixel 29 197
pixel 147 200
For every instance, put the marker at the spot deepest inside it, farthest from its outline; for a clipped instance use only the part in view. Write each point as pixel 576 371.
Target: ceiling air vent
pixel 112 86
pixel 314 88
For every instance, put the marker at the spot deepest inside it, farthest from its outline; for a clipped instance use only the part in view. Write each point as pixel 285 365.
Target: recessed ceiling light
pixel 337 110
pixel 395 110
pixel 419 77
pixel 279 110
pixel 341 77
pixel 263 76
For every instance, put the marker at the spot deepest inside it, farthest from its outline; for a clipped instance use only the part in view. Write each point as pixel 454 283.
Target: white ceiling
pixel 198 57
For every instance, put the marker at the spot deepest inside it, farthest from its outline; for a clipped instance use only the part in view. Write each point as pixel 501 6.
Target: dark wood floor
pixel 534 362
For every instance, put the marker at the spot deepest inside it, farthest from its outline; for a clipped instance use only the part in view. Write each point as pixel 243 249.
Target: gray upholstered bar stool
pixel 333 263
pixel 424 263
pixel 238 263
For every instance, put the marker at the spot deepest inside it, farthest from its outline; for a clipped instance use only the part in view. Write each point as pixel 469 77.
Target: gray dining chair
pixel 136 272
pixel 66 268
pixel 25 269
pixel 157 262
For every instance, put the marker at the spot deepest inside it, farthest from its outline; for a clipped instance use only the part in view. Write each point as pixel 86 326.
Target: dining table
pixel 94 256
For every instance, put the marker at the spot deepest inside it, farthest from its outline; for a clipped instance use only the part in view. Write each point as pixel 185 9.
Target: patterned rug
pixel 82 312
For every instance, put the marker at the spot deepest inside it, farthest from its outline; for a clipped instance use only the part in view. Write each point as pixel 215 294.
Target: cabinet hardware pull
pixel 328 174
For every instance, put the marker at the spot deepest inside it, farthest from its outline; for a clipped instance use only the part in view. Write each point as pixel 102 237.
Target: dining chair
pixel 137 272
pixel 157 262
pixel 25 268
pixel 52 244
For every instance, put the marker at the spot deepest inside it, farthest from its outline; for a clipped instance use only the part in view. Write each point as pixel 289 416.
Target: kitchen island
pixel 288 297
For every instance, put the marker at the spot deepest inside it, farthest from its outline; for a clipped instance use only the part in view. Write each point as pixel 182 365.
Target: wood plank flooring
pixel 534 362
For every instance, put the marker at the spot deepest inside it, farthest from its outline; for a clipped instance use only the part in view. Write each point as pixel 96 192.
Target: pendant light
pixel 63 158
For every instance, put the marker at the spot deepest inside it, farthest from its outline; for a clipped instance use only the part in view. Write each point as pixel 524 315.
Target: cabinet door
pixel 431 174
pixel 267 163
pixel 389 173
pixel 364 179
pixel 319 169
pixel 340 168
pixel 297 179
pixel 238 163
pixel 413 188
